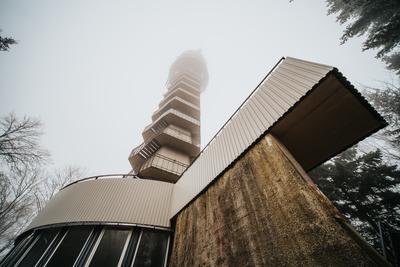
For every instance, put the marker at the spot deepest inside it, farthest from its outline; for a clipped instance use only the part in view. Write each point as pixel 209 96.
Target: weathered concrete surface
pixel 263 212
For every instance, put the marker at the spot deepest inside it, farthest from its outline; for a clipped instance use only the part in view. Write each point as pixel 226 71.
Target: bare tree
pixel 24 194
pixel 24 184
pixel 19 142
pixel 21 159
pixel 55 181
pixel 17 192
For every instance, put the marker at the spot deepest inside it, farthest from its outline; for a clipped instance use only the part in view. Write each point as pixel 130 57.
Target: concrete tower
pixel 172 140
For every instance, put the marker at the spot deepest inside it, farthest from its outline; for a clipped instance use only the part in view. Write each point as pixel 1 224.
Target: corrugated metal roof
pixel 122 200
pixel 283 87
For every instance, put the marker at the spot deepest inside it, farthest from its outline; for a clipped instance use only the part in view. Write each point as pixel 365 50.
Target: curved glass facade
pixel 91 246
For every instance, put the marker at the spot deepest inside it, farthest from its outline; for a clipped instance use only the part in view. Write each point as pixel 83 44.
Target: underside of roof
pixel 332 117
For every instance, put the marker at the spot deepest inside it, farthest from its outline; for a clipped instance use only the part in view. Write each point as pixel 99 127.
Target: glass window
pixel 70 247
pixel 131 249
pixel 14 255
pixel 39 247
pixel 109 250
pixel 152 249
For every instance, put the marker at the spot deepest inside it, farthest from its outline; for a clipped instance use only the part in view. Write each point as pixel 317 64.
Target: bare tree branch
pixel 24 193
pixel 16 203
pixel 55 181
pixel 24 186
pixel 19 142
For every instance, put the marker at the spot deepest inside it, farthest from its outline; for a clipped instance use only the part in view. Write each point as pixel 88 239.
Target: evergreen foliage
pixel 364 188
pixel 379 20
pixel 5 42
pixel 387 102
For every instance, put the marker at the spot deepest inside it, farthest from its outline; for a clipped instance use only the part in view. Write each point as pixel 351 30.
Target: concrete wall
pixel 264 211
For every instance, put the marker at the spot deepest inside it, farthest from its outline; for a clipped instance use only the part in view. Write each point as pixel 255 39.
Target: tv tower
pixel 172 140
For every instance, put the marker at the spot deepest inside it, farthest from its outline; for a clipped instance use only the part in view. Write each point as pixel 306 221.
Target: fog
pixel 94 71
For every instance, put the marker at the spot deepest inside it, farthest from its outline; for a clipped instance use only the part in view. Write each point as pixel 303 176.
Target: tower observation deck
pixel 172 140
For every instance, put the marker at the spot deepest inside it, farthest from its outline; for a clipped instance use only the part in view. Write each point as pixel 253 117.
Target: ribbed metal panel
pixel 119 200
pixel 288 82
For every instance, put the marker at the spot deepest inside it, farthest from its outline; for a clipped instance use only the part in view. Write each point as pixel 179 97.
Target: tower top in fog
pixel 172 140
pixel 190 62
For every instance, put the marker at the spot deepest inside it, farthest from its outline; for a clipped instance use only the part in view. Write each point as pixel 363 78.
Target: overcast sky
pixel 94 71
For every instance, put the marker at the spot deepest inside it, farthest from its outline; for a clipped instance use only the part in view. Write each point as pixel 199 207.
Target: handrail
pixel 154 133
pixel 175 112
pixel 137 149
pixel 173 129
pixel 178 130
pixel 177 168
pixel 104 176
pixel 177 162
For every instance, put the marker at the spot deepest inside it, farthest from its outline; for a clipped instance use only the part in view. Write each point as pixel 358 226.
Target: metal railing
pixel 172 166
pixel 164 106
pixel 137 149
pixel 170 130
pixel 171 160
pixel 178 133
pixel 156 126
pixel 104 176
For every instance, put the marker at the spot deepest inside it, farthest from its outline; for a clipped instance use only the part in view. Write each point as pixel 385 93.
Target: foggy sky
pixel 94 71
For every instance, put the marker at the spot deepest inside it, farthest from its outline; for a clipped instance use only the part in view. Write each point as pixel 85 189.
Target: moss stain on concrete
pixel 262 212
